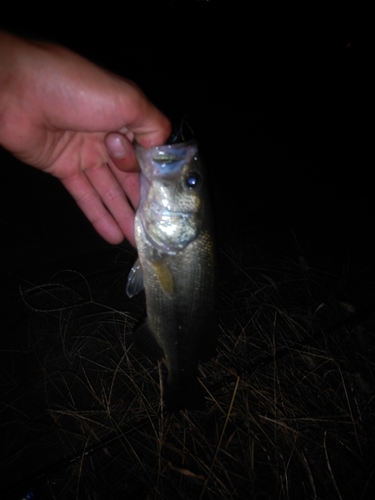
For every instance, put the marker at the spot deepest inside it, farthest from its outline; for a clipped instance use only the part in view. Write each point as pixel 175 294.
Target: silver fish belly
pixel 176 267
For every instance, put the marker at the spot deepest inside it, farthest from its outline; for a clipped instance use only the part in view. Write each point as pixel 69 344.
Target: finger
pixel 114 197
pixel 142 121
pixel 153 131
pixel 91 204
pixel 121 151
pixel 129 181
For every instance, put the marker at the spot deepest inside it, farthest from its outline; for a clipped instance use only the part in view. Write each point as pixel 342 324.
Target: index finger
pixel 143 121
pixel 154 129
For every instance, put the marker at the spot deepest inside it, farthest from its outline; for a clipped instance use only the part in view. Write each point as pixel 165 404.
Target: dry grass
pixel 290 394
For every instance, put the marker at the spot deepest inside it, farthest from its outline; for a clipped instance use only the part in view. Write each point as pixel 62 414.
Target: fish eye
pixel 193 180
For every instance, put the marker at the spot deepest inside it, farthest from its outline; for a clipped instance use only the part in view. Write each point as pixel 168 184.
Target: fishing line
pixel 181 133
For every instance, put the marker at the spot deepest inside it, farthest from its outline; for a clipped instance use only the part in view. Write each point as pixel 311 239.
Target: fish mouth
pixel 164 160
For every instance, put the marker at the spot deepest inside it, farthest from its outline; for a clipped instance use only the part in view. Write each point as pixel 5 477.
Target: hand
pixel 64 115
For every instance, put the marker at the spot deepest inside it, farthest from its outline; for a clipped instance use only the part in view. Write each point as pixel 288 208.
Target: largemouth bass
pixel 176 267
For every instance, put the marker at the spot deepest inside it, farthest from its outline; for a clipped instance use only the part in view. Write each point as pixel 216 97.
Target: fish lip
pixel 165 160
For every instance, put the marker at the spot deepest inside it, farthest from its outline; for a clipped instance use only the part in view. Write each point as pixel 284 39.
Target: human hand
pixel 63 115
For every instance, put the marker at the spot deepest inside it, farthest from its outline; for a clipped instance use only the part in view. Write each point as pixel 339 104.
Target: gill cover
pixel 170 206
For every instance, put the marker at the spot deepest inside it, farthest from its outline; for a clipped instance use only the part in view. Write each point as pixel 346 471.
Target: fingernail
pixel 116 145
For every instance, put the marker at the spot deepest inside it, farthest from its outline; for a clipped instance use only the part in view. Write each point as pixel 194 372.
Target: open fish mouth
pixel 165 161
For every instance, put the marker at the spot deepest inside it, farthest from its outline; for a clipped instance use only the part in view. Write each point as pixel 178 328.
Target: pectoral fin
pixel 135 280
pixel 164 275
pixel 145 341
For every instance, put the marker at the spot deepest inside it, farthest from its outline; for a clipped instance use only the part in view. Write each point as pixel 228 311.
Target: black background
pixel 280 103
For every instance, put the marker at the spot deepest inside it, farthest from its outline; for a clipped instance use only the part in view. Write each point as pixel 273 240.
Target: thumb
pixel 121 151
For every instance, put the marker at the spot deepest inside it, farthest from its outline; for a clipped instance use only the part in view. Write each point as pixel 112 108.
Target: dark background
pixel 279 101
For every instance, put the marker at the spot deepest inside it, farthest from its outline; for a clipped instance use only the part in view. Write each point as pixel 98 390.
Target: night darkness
pixel 280 105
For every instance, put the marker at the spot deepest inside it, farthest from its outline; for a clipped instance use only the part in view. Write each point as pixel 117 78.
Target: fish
pixel 176 266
